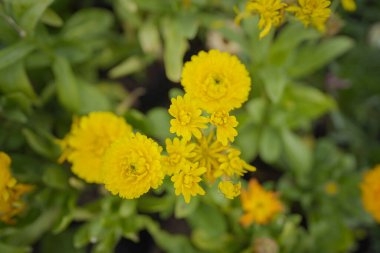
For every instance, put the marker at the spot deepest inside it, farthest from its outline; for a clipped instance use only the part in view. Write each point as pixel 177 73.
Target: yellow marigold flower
pixel 271 13
pixel 207 153
pixel 349 5
pixel 312 12
pixel 259 205
pixel 231 164
pixel 225 126
pixel 186 181
pixel 331 188
pixel 188 119
pixel 178 152
pixel 88 140
pixel 216 81
pixel 10 192
pixel 370 188
pixel 132 165
pixel 229 189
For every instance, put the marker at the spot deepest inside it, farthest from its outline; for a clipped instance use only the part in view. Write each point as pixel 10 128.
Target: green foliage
pixel 62 59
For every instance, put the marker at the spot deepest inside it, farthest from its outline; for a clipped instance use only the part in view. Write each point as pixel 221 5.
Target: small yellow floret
pixel 349 5
pixel 132 165
pixel 259 205
pixel 188 119
pixel 89 138
pixel 271 14
pixel 186 181
pixel 312 12
pixel 231 164
pixel 178 152
pixel 225 126
pixel 229 189
pixel 370 187
pixel 216 81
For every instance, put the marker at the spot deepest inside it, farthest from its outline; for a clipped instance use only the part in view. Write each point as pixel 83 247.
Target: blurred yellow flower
pixel 312 12
pixel 229 189
pixel 271 14
pixel 231 164
pixel 188 119
pixel 132 165
pixel 331 188
pixel 88 140
pixel 349 5
pixel 178 152
pixel 259 205
pixel 370 187
pixel 216 81
pixel 225 126
pixel 11 192
pixel 186 181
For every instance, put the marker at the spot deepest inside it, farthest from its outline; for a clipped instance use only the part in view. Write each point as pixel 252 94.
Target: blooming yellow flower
pixel 229 189
pixel 216 81
pixel 225 126
pixel 207 153
pixel 271 14
pixel 179 151
pixel 312 12
pixel 132 165
pixel 10 192
pixel 370 187
pixel 188 119
pixel 349 5
pixel 231 164
pixel 259 205
pixel 88 140
pixel 186 181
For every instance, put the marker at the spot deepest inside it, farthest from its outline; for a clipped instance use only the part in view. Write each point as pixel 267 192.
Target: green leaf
pixel 149 38
pixel 312 57
pixel 87 24
pixel 129 66
pixel 43 145
pixel 33 13
pixel 274 80
pixel 50 17
pixel 183 209
pixel 13 78
pixel 158 122
pixel 67 86
pixel 256 109
pixel 91 98
pixel 15 53
pixel 55 177
pixel 13 249
pixel 297 153
pixel 154 204
pixel 270 145
pixel 248 142
pixel 174 49
pixel 82 236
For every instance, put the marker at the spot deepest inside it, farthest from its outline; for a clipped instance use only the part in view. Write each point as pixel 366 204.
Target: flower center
pixel 215 86
pixel 219 118
pixel 184 117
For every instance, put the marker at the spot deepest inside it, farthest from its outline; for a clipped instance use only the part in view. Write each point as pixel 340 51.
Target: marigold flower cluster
pixel 370 187
pixel 215 83
pixel 11 192
pixel 272 13
pixel 259 205
pixel 103 148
